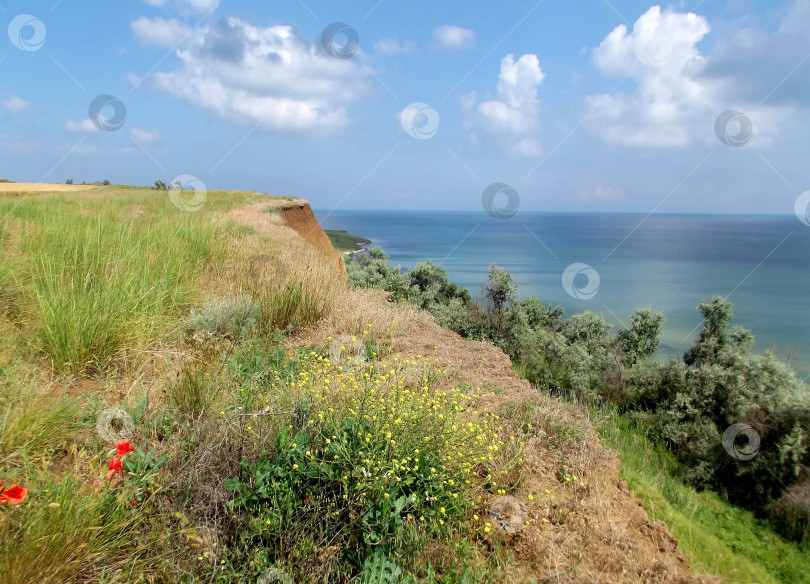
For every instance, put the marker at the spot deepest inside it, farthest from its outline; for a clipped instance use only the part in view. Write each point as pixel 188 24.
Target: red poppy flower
pixel 13 494
pixel 115 466
pixel 123 447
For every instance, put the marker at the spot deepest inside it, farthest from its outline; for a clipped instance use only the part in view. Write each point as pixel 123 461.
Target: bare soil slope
pixel 298 216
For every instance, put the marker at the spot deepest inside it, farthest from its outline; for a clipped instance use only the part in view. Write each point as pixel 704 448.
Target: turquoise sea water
pixel 669 262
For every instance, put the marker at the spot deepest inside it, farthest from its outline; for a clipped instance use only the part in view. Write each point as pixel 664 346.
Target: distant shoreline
pixel 346 242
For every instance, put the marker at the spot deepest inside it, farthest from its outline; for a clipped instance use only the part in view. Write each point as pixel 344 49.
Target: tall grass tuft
pixel 100 287
pixel 292 305
pixel 195 389
pixel 30 429
pixel 66 533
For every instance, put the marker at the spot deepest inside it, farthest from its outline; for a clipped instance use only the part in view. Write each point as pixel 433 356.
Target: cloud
pixel 143 137
pixel 449 36
pixel 166 32
pixel 468 101
pixel 661 55
pixel 775 65
pixel 512 116
pixel 675 102
pixel 84 126
pixel 392 46
pixel 267 76
pixel 17 104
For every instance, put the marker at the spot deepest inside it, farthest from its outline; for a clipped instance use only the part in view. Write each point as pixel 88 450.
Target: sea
pixel 614 263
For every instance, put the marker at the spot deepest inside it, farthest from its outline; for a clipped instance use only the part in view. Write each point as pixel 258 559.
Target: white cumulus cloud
pixel 267 76
pixel 449 36
pixel 600 193
pixel 165 32
pixel 512 115
pixel 675 101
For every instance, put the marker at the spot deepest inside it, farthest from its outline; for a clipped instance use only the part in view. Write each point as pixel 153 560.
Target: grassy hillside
pixel 345 241
pixel 717 537
pixel 201 397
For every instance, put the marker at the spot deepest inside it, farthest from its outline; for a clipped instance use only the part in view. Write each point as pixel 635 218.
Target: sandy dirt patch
pixel 17 188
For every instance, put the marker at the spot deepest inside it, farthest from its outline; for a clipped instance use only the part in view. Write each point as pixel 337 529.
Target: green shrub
pixel 685 404
pixel 691 404
pixel 371 270
pixel 365 457
pixel 227 317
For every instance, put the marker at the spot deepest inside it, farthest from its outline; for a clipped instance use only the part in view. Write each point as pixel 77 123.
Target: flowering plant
pixel 13 494
pixel 121 450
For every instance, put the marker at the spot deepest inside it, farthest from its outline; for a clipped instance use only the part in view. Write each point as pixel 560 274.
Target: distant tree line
pixel 98 183
pixel 686 403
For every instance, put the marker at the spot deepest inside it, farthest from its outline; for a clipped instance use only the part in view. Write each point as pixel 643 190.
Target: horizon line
pixel 708 213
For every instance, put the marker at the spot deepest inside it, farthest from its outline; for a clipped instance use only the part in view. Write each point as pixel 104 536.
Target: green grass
pixel 345 241
pixel 716 537
pixel 72 534
pixel 100 287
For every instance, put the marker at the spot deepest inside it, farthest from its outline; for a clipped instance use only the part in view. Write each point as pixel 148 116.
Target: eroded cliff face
pixel 299 217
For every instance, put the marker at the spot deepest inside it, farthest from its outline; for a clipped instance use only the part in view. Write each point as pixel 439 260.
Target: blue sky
pixel 578 106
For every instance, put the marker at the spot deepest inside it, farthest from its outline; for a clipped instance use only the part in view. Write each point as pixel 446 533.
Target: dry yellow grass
pixel 15 188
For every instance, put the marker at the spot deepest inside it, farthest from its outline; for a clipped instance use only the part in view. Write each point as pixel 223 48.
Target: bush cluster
pixel 367 459
pixel 687 404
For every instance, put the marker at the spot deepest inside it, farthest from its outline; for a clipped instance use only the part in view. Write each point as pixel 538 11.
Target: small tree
pixel 160 186
pixel 641 339
pixel 717 315
pixel 501 289
pixel 69 181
